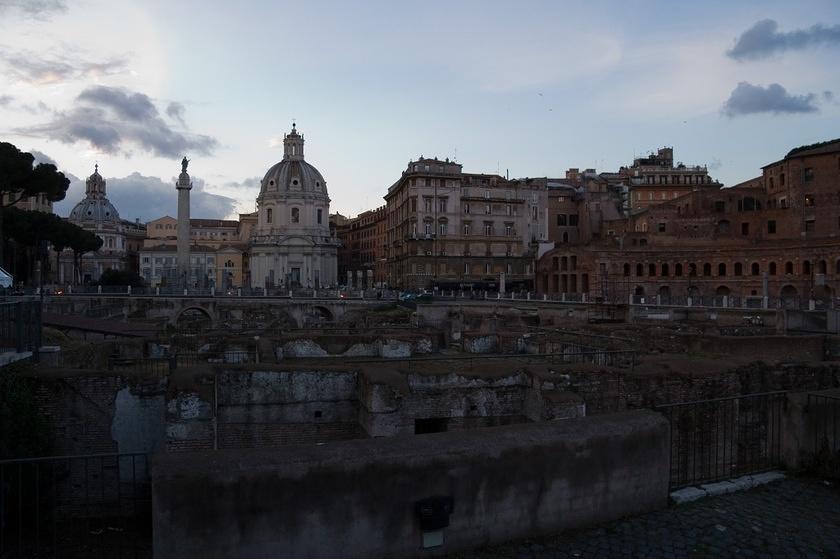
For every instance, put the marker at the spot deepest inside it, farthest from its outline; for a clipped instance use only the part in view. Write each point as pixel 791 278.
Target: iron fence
pixel 723 438
pixel 75 507
pixel 20 325
pixel 824 410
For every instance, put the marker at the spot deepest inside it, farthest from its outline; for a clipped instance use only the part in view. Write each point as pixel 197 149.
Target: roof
pixel 214 222
pixel 819 148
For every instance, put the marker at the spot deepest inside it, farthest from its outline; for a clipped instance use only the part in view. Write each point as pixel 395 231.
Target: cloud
pixel 175 111
pixel 763 39
pixel 252 182
pixel 31 67
pixel 114 120
pixel 38 9
pixel 147 198
pixel 5 100
pixel 41 157
pixel 747 98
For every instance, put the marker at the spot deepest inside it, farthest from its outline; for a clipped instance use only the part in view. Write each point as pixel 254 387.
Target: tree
pixel 120 278
pixel 19 180
pixel 81 242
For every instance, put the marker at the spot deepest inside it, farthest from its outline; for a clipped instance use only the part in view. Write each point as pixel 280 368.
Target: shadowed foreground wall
pixel 356 498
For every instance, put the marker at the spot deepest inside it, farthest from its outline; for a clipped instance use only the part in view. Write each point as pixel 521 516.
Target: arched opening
pixel 627 268
pixel 771 269
pixel 194 319
pixel 721 269
pixel 788 267
pixel 651 269
pixel 739 269
pixel 316 316
pixel 806 268
pixel 707 269
pixel 692 270
pixel 722 291
pixel 639 291
pixel 665 271
pixel 693 291
pixel 664 294
pixel 789 296
pixel 755 269
pixel 640 270
pixel 822 267
pixel 678 269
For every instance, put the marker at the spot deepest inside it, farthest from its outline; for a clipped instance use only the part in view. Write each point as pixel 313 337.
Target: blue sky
pixel 529 87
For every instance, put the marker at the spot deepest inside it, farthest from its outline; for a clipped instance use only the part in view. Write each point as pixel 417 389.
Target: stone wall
pixel 358 498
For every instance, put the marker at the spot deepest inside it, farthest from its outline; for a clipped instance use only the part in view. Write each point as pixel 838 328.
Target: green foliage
pixel 20 178
pixel 23 431
pixel 800 149
pixel 120 277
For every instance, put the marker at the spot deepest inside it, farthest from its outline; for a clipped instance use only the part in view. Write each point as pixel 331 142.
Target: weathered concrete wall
pixel 357 498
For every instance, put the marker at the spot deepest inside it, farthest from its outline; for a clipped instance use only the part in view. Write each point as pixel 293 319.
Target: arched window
pixel 651 269
pixel 771 269
pixel 806 268
pixel 295 215
pixel 739 269
pixel 627 268
pixel 721 269
pixel 788 267
pixel 822 267
pixel 640 270
pixel 692 270
pixel 229 264
pixel 665 270
pixel 755 269
pixel 707 269
pixel 268 215
pixel 678 269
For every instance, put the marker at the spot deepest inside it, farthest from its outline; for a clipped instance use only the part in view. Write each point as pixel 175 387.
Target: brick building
pixel 451 229
pixel 776 236
pixel 655 179
pixel 361 256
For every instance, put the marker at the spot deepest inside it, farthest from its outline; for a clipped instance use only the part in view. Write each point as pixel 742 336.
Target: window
pixel 295 215
pixel 707 269
pixel 665 270
pixel 467 208
pixel 320 216
pixel 486 194
pixel 268 215
pixel 487 208
pixel 467 229
pixel 806 268
pixel 651 269
pixel 810 224
pixel 488 269
pixel 466 268
pixel 782 179
pixel 428 228
pixel 808 174
pixel 640 270
pixel 508 230
pixel 427 204
pixel 755 269
pixel 745 228
pixel 145 260
pixel 413 204
pixel 739 269
pixel 721 269
pixel 626 269
pixel 789 267
pixel 442 205
pixel 561 220
pixel 573 220
pixel 488 229
pixel 771 269
pixel 442 229
pixel 771 226
pixel 720 206
pixel 509 209
pixel 661 227
pixel 678 269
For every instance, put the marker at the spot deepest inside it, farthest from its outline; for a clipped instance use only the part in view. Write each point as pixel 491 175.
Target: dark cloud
pixel 58 66
pixel 39 9
pixel 175 111
pixel 115 121
pixel 747 98
pixel 5 100
pixel 764 39
pixel 147 198
pixel 253 182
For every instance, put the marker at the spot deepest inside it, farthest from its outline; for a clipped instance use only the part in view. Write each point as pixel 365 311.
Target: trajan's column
pixel 184 185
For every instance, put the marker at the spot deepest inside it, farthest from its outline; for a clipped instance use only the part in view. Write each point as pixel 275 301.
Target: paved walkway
pixel 791 518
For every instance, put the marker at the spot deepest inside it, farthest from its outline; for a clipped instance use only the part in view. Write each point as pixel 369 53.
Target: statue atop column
pixel 184 163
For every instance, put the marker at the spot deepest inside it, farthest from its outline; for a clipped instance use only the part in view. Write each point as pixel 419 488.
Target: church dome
pixel 95 207
pixel 293 175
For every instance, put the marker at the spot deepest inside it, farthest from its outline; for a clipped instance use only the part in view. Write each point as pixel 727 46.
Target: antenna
pixel 455 159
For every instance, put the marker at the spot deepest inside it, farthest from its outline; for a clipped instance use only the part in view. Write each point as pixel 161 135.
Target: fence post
pixel 128 290
pixel 99 289
pixel 239 292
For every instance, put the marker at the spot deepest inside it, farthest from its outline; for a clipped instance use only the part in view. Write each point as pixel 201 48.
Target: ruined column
pixel 184 185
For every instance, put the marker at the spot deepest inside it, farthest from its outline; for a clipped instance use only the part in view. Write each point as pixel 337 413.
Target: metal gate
pixel 96 505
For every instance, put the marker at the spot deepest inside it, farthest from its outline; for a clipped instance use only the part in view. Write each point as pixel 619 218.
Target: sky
pixel 527 88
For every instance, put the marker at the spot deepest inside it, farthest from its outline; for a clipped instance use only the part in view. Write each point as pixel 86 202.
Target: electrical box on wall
pixel 433 514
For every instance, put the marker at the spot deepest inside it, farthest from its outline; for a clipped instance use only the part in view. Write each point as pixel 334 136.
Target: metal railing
pixel 96 505
pixel 20 325
pixel 723 438
pixel 824 410
pixel 621 358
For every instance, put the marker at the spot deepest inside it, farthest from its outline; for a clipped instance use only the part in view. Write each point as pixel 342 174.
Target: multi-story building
pixel 447 228
pixel 655 179
pixel 217 252
pixel 362 252
pixel 775 236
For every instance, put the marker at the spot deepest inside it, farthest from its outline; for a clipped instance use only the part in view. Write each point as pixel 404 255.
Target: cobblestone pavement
pixel 791 518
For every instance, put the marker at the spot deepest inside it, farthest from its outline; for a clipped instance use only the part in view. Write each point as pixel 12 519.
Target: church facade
pixel 291 244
